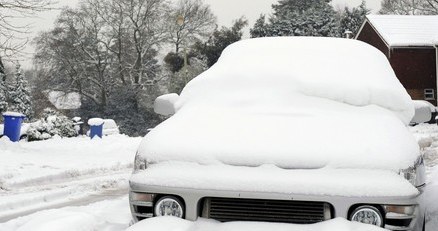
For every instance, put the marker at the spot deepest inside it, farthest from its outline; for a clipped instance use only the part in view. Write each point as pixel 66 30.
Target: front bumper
pixel 343 190
pixel 342 206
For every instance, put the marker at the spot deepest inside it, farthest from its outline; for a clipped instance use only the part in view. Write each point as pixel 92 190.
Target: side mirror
pixel 165 104
pixel 423 112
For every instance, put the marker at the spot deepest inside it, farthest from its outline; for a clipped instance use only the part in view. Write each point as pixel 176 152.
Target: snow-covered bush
pixel 51 124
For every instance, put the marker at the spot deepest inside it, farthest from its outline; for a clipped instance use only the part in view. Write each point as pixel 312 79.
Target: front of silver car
pixel 303 146
pixel 169 193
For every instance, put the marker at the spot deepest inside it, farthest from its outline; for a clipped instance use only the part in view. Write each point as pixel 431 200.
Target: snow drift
pixel 292 102
pixel 176 224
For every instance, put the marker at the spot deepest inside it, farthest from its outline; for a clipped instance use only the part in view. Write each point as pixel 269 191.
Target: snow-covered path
pixel 61 172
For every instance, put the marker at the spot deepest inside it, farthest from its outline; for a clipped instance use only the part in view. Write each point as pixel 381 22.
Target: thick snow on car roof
pixel 293 102
pixel 272 71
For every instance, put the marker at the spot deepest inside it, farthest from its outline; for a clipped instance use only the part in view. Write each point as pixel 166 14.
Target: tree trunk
pixel 2 70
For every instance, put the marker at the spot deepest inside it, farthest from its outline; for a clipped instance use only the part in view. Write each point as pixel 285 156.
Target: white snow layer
pixel 95 121
pixel 406 30
pixel 16 114
pixel 107 215
pixel 424 104
pixel 319 182
pixel 269 73
pixel 34 175
pixel 176 224
pixel 292 102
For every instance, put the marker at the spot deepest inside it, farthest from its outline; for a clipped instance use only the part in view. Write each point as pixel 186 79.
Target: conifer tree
pixel 299 18
pixel 3 98
pixel 352 19
pixel 260 28
pixel 20 95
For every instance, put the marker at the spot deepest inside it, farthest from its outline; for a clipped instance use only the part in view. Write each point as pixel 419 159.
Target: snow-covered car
pixel 23 130
pixel 295 130
pixel 109 128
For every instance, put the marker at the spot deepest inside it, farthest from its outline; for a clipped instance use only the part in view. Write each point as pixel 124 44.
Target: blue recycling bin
pixel 12 128
pixel 96 127
pixel 96 130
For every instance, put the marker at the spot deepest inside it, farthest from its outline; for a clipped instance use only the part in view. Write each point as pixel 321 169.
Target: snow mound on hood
pixel 294 103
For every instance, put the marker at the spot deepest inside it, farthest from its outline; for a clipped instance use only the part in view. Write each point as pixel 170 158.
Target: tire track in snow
pixel 84 188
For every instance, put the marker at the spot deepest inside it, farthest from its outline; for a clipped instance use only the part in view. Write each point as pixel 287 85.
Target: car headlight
pixel 367 215
pixel 140 163
pixel 169 206
pixel 416 174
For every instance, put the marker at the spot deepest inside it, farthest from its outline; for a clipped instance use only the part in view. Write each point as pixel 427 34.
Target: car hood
pixel 295 138
pixel 318 182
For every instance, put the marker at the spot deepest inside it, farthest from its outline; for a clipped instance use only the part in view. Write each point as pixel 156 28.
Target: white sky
pixel 225 10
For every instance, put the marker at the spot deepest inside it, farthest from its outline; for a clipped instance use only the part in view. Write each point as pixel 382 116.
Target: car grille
pixel 236 209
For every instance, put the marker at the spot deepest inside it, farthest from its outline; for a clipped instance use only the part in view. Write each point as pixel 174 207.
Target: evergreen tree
pixel 299 18
pixel 352 19
pixel 3 98
pixel 284 7
pixel 20 95
pixel 212 49
pixel 260 28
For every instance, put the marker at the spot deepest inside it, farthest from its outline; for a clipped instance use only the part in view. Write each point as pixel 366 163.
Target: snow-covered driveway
pixel 109 215
pixel 427 137
pixel 59 172
pixel 39 174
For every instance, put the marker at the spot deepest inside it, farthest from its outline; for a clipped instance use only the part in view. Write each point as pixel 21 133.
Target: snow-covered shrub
pixel 51 124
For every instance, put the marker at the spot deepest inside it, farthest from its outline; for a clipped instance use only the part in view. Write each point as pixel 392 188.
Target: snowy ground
pixel 59 173
pixel 427 137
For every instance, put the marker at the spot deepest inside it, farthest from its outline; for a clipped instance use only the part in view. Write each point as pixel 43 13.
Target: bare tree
pixel 106 50
pixel 12 35
pixel 409 7
pixel 104 44
pixel 116 31
pixel 189 21
pixel 145 23
pixel 74 57
pixel 431 7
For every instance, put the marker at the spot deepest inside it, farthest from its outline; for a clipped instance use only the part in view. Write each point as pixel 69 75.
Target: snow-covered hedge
pixel 51 124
